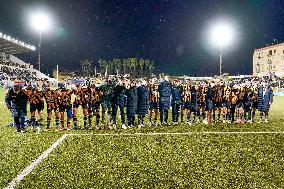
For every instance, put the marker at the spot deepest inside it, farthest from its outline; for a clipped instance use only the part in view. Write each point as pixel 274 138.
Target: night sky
pixel 170 32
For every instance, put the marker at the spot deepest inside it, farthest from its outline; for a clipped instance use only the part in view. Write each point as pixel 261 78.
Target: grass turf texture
pixel 258 163
pixel 235 161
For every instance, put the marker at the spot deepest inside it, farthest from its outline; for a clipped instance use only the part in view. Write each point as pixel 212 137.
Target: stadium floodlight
pixel 41 22
pixel 222 35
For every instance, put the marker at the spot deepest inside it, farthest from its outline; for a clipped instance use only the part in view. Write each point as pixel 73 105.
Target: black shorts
pixel 201 104
pixel 186 105
pixel 76 106
pixel 255 105
pixel 86 106
pixel 153 105
pixel 225 104
pixel 50 108
pixel 218 104
pixel 240 105
pixel 64 108
pixel 36 107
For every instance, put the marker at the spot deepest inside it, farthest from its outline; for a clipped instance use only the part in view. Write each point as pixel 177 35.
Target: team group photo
pixel 141 94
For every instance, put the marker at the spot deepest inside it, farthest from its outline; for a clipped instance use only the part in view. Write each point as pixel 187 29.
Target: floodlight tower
pixel 41 22
pixel 222 35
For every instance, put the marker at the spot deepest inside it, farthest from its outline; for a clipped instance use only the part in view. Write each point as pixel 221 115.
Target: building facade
pixel 269 60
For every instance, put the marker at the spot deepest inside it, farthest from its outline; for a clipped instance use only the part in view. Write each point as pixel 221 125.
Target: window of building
pixel 274 50
pixel 270 53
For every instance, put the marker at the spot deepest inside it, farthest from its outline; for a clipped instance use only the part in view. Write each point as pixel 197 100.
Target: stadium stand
pixel 11 67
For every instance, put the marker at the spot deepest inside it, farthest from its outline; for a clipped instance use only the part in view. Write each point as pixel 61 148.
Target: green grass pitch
pixel 167 161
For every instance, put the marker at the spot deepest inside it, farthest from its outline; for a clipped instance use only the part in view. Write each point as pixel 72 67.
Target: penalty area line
pixel 185 133
pixel 30 168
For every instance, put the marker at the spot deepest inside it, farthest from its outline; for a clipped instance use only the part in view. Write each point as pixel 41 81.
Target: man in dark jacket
pixel 209 104
pixel 118 101
pixel 142 103
pixel 131 102
pixel 265 99
pixel 164 101
pixel 16 101
pixel 176 101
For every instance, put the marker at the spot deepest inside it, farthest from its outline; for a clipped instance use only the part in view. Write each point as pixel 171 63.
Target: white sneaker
pixel 110 127
pixel 114 126
pixel 260 121
pixel 38 130
pixel 124 126
pixel 266 121
pixel 205 122
pixel 139 126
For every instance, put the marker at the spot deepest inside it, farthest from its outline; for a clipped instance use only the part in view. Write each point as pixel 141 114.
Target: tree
pixel 141 65
pixel 127 65
pixel 86 65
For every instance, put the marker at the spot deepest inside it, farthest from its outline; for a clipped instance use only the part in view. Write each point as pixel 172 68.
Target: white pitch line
pixel 187 133
pixel 29 169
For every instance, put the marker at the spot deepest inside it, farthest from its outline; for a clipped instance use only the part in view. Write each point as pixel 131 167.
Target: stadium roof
pixel 9 45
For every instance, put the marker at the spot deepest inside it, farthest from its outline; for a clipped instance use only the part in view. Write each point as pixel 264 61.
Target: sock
pixel 253 115
pixel 75 121
pixel 33 121
pixel 56 122
pixel 97 119
pixel 85 121
pixel 62 123
pixel 90 120
pixel 48 123
pixel 22 122
pixel 203 115
pixel 40 123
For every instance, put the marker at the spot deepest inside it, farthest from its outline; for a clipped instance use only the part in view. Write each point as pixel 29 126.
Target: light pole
pixel 222 34
pixel 41 22
pixel 39 48
pixel 221 59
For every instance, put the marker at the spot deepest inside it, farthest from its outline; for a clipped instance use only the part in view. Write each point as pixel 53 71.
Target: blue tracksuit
pixel 176 102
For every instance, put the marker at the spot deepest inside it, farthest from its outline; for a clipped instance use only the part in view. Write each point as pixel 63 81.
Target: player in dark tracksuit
pixel 265 99
pixel 193 103
pixel 209 105
pixel 131 103
pixel 16 101
pixel 118 101
pixel 142 103
pixel 164 102
pixel 176 101
pixel 106 99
